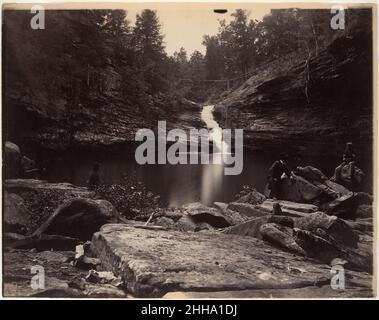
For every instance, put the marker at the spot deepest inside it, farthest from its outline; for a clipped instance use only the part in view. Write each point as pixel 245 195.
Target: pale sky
pixel 185 25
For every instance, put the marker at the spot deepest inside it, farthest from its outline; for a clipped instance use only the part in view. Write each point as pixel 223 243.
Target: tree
pixel 148 43
pixel 238 43
pixel 197 65
pixel 214 62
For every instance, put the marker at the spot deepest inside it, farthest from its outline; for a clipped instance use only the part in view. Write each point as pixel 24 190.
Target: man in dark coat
pixel 275 173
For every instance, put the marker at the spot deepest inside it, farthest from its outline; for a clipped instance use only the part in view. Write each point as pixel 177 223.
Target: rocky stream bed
pixel 253 247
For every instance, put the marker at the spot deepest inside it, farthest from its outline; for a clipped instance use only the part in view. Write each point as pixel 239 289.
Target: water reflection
pixel 177 184
pixel 212 174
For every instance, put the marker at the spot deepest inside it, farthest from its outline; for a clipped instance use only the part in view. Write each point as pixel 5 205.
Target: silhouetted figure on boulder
pixel 275 173
pixel 94 178
pixel 347 173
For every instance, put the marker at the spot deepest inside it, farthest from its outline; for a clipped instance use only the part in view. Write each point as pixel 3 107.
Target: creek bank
pixel 109 124
pixel 243 248
pixel 251 244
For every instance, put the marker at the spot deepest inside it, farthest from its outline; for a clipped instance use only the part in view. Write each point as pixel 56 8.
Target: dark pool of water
pixel 176 184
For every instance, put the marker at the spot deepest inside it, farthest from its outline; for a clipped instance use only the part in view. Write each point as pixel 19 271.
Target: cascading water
pixel 212 175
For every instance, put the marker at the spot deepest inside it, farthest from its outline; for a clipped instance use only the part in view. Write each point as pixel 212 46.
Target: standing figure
pixel 275 173
pixel 345 172
pixel 348 154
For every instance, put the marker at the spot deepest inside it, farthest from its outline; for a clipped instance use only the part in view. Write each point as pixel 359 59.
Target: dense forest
pixel 244 44
pixel 87 62
pixel 76 199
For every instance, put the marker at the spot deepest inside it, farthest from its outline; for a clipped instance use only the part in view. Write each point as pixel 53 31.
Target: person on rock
pixel 275 173
pixel 94 178
pixel 348 158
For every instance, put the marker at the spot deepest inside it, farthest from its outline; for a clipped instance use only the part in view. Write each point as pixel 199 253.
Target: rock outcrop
pixel 79 218
pixel 335 227
pixel 246 209
pixel 12 160
pixel 16 216
pixel 154 262
pixel 202 213
pixel 19 185
pixel 273 109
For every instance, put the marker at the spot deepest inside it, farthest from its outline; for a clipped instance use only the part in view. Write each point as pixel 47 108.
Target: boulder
pixel 19 185
pixel 154 262
pixel 316 177
pixel 364 198
pixel 17 266
pixel 252 227
pixel 281 236
pixel 344 200
pixel 247 209
pixel 344 206
pixel 164 222
pixel 320 245
pixel 41 242
pixel 78 218
pixel 174 213
pixel 248 228
pixel 321 292
pixel 187 223
pixel 335 227
pixel 310 184
pixel 311 173
pixel 364 211
pixel 104 291
pixel 27 164
pixel 233 217
pixel 201 213
pixel 282 220
pixel 362 225
pixel 288 207
pixel 12 160
pixel 276 209
pixel 222 206
pixel 347 172
pixel 55 288
pixel 16 217
pixel 103 277
pixel 251 196
pixel 336 188
pixel 299 189
pixel 62 289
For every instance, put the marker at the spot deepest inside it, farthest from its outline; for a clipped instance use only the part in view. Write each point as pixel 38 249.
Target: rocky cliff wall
pixel 315 106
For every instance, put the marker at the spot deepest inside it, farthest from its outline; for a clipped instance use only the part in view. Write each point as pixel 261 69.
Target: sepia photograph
pixel 189 150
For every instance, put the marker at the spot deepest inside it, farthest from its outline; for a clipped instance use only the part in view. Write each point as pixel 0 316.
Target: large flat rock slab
pixel 289 205
pixel 153 262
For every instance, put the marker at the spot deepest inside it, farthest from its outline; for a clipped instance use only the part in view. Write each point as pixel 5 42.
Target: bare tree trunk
pixel 314 37
pixel 307 76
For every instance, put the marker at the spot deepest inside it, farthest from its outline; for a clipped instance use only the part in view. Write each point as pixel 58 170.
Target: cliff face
pixel 315 106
